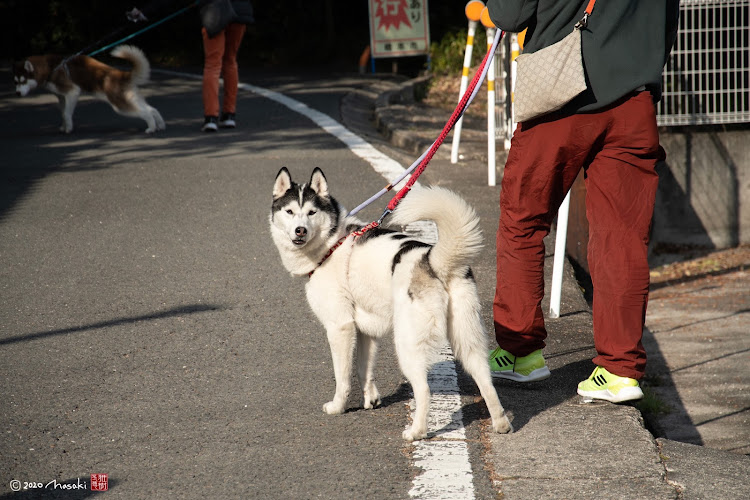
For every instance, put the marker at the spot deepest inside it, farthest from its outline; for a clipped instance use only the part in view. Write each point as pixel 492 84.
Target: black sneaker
pixel 210 124
pixel 227 120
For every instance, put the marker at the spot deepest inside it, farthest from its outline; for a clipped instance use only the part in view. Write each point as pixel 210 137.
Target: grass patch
pixel 651 404
pixel 447 55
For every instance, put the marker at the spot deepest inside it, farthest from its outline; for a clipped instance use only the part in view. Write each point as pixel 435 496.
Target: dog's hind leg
pixel 341 339
pixel 367 349
pixel 419 331
pixel 160 125
pixel 131 103
pixel 144 111
pixel 469 343
pixel 415 369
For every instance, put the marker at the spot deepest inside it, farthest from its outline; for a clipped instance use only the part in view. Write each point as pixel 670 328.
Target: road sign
pixel 399 28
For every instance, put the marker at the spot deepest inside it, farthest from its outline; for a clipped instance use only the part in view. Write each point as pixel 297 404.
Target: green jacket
pixel 625 45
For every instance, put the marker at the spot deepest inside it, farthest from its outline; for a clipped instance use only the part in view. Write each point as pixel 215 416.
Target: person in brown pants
pixel 223 26
pixel 610 131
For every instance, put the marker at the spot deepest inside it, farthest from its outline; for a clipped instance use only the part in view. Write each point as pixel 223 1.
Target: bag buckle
pixel 584 22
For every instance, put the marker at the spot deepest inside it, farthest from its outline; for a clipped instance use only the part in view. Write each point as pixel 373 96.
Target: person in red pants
pixel 223 26
pixel 610 131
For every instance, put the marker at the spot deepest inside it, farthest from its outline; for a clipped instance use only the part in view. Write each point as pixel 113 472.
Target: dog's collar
pixel 329 253
pixel 358 232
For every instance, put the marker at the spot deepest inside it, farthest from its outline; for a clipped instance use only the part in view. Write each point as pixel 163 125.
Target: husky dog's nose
pixel 300 232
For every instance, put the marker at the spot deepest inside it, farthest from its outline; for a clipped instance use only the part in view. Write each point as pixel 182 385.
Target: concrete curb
pixel 389 106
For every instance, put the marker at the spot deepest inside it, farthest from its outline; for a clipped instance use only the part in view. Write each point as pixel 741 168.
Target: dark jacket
pixel 217 14
pixel 244 11
pixel 625 45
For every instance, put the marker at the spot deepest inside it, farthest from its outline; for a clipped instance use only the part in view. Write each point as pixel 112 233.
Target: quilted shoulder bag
pixel 548 79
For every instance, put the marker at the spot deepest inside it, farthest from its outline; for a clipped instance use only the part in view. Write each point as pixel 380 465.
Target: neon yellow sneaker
pixel 528 368
pixel 604 385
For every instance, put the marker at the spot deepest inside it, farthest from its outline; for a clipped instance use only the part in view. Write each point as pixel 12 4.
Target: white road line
pixel 384 165
pixel 444 458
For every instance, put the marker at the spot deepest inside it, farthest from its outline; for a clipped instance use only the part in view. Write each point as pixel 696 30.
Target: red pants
pixel 220 59
pixel 618 147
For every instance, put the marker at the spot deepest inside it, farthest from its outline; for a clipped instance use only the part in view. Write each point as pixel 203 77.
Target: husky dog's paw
pixel 67 124
pixel 371 399
pixel 371 403
pixel 502 425
pixel 160 125
pixel 333 408
pixel 412 434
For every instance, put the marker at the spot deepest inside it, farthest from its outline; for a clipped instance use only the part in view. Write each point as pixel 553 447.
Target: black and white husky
pixel 69 78
pixel 387 281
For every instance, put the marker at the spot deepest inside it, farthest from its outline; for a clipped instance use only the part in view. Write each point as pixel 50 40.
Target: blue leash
pixel 154 25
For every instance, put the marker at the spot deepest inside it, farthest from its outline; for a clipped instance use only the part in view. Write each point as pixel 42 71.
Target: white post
pixel 559 258
pixel 491 162
pixel 472 10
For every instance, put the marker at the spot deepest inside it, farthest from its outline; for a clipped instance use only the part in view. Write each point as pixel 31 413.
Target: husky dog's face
pixel 23 76
pixel 303 212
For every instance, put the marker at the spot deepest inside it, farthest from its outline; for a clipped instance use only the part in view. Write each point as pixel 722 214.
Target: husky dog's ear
pixel 283 183
pixel 318 183
pixel 28 66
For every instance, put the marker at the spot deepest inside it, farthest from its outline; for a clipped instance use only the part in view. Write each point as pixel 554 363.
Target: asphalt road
pixel 147 328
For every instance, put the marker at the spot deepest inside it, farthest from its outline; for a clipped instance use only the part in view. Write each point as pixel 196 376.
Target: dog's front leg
pixel 67 106
pixel 61 107
pixel 342 340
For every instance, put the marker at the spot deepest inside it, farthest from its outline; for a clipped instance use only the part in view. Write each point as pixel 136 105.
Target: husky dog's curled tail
pixel 459 235
pixel 141 71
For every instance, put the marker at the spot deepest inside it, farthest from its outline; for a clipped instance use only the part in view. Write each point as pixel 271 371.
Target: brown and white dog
pixel 69 78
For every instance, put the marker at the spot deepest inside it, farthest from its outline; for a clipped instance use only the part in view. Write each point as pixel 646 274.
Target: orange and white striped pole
pixel 491 162
pixel 473 12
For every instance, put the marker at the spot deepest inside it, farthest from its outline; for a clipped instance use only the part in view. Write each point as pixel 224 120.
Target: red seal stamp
pixel 99 482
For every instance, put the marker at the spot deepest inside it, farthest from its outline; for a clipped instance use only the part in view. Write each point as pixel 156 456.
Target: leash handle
pixel 133 35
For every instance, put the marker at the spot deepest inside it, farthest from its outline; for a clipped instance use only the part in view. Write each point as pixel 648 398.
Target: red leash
pixel 457 113
pixel 433 149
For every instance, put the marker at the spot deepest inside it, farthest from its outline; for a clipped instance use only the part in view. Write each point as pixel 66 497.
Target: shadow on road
pixel 176 311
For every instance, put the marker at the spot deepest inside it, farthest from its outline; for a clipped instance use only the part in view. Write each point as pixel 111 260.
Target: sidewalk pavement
pixel 698 376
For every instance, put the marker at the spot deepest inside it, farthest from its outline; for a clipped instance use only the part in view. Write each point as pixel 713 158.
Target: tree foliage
pixel 287 32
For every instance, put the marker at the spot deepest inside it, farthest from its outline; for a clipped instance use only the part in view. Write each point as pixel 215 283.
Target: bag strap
pixel 585 19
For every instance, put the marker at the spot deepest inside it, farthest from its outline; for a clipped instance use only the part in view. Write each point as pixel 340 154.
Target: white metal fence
pixel 706 79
